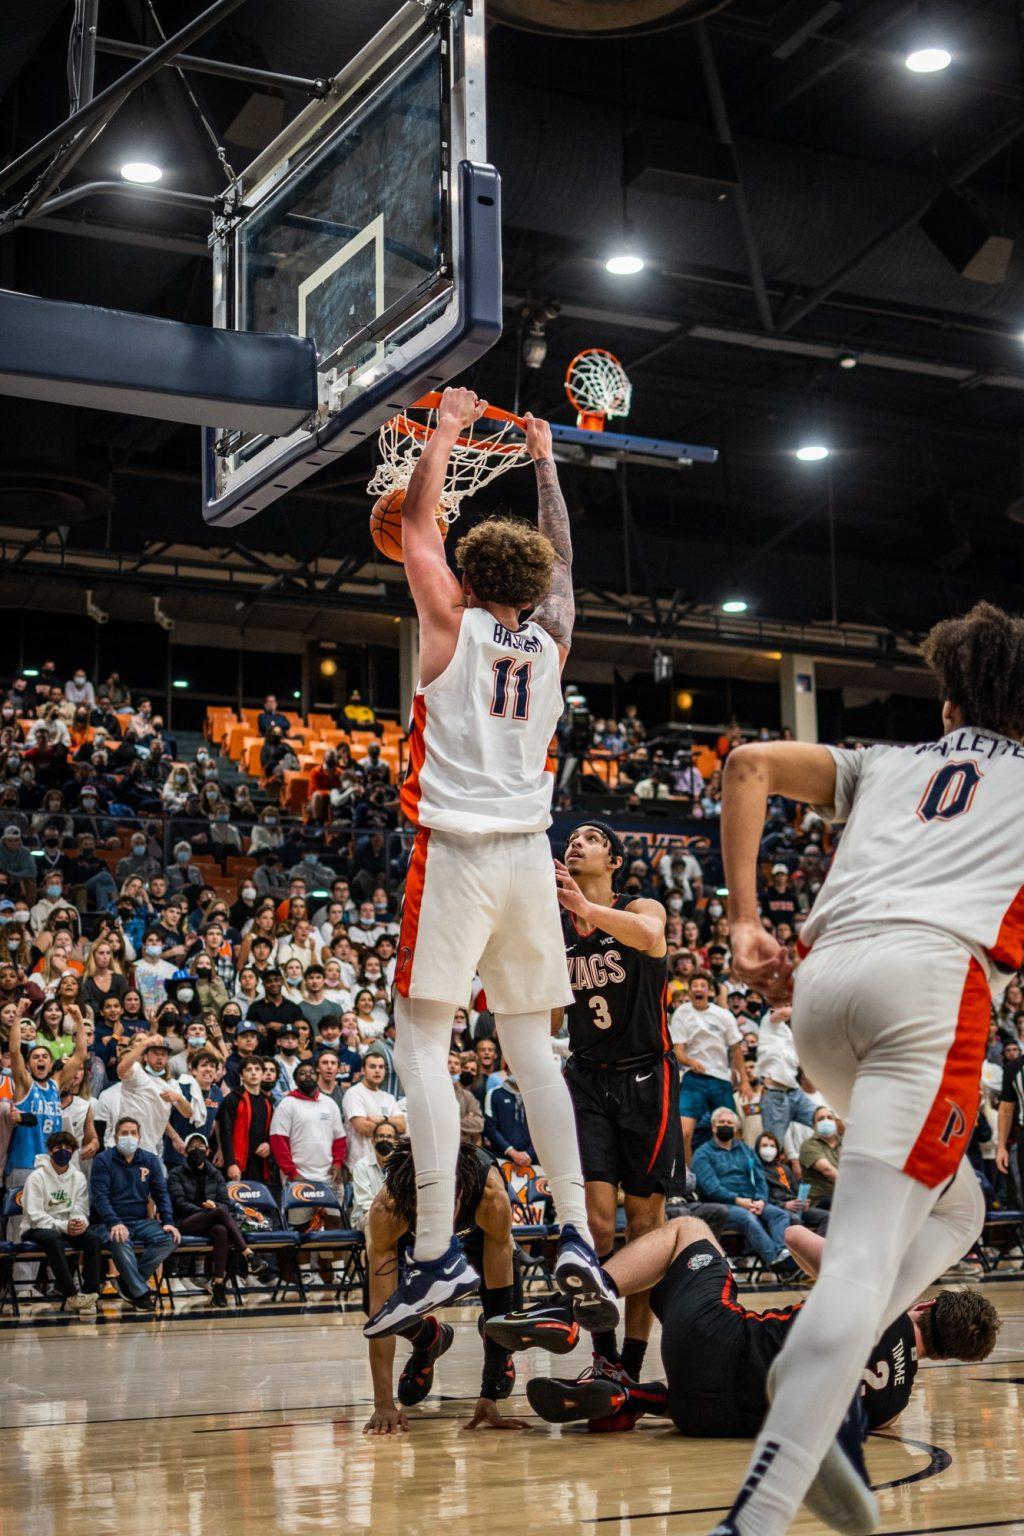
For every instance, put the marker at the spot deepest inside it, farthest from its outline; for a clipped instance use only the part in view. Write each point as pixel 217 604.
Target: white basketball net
pixel 597 383
pixel 483 452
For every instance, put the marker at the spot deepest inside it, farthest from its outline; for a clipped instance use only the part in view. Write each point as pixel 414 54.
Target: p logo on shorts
pixel 956 1125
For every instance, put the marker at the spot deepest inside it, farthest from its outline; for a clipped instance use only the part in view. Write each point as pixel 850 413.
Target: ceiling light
pixel 142 171
pixel 849 360
pixel 812 453
pixel 734 605
pixel 928 61
pixel 626 264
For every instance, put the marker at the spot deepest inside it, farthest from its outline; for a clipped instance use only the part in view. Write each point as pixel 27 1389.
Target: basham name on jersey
pixel 521 640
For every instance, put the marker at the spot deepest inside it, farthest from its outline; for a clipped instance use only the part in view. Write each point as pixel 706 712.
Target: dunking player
pixel 919 923
pixel 621 1075
pixel 717 1355
pixel 480 892
pixel 484 1225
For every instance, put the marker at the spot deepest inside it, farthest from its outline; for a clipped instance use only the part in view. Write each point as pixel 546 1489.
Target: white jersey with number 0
pixel 935 836
pixel 480 732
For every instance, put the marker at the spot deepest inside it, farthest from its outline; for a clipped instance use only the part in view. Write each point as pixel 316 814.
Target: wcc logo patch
pixel 700 1261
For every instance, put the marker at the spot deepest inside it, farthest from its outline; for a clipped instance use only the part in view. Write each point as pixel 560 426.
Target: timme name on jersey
pixel 932 838
pixel 480 732
pixel 618 1008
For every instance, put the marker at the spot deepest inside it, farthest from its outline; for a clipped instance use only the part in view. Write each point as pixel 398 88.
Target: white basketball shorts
pixel 891 1025
pixel 486 903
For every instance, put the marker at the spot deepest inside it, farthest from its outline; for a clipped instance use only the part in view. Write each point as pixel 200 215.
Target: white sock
pixel 422 1036
pixel 526 1042
pixel 877 1213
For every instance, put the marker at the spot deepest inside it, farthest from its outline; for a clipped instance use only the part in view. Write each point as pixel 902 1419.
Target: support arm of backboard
pixel 109 360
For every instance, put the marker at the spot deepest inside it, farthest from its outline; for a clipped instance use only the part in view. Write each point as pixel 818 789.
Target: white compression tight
pixel 526 1043
pixel 889 1238
pixel 422 1036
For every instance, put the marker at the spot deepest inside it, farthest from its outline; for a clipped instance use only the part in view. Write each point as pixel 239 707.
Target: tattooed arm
pixel 557 613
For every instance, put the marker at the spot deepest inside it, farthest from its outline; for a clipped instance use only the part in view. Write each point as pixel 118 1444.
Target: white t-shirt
pixel 776 1053
pixel 933 838
pixel 73 1117
pixel 311 1127
pixel 706 1035
pixel 360 1099
pixel 142 1097
pixel 108 1112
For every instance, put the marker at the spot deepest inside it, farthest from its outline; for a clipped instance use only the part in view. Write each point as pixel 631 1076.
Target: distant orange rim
pixel 578 405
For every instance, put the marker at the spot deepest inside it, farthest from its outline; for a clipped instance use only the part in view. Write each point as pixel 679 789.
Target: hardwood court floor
pixel 219 1425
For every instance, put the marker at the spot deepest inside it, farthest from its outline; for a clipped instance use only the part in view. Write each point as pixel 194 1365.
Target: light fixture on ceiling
pixel 928 61
pixel 735 605
pixel 143 172
pixel 812 453
pixel 625 264
pixel 848 360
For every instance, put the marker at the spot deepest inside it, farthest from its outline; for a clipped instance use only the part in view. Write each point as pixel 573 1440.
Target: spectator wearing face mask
pixel 202 1208
pixel 183 873
pixel 52 900
pixel 79 691
pixel 819 1156
pixel 244 909
pixel 152 972
pixel 287 1055
pixel 141 860
pixel 16 863
pixel 783 1190
pixel 197 1038
pixel 125 1179
pixel 471 1118
pixel 266 834
pixel 55 1203
pixel 729 1173
pixel 368 1173
pixel 147 1093
pixel 307 1135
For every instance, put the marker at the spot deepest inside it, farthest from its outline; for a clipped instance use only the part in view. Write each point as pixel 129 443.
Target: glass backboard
pixel 371 225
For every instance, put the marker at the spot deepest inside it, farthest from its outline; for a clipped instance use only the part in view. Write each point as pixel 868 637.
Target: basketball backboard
pixel 372 224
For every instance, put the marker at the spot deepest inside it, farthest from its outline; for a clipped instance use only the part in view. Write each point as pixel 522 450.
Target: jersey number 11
pixel 511 681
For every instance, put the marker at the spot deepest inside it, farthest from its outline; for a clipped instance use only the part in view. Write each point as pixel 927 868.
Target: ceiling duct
pixel 601 18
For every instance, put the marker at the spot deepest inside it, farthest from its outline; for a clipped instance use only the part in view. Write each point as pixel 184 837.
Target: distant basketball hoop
pixel 493 445
pixel 598 388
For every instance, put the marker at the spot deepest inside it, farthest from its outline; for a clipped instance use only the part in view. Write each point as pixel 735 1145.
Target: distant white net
pixel 596 383
pixel 484 451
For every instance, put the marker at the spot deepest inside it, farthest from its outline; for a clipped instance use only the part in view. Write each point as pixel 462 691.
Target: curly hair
pixel 400 1178
pixel 961 1326
pixel 979 662
pixel 506 562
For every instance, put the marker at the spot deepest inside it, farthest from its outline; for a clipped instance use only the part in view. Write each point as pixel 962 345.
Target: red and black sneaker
pixel 549 1326
pixel 417 1378
pixel 507 1382
pixel 641 1397
pixel 590 1396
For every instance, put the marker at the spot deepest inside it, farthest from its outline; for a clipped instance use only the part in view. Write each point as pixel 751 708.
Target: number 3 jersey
pixel 934 836
pixel 618 1010
pixel 480 732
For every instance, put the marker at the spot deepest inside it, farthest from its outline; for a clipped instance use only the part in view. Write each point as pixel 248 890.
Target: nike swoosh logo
pixel 451 1269
pixel 645 1077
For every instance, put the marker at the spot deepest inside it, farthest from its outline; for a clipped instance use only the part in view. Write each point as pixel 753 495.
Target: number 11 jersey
pixel 480 732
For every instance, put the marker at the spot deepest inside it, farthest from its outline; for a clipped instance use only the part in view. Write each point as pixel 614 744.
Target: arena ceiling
pixel 741 332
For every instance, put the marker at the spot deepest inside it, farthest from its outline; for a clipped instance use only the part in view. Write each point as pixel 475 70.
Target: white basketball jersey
pixel 934 835
pixel 480 732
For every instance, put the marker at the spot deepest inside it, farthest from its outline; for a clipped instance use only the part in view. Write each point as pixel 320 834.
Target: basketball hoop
pixel 598 388
pixel 488 448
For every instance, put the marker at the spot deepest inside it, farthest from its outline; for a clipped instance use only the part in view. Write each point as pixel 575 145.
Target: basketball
pixel 386 523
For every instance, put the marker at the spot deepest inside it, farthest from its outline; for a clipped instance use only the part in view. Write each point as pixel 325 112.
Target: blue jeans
pixel 764 1234
pixel 156 1244
pixel 781 1106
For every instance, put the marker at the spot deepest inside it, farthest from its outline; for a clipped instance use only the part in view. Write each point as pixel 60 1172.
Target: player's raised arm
pixel 557 613
pixel 641 925
pixel 435 589
pixel 798 771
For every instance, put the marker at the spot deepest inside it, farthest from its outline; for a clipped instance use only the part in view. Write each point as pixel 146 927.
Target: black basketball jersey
pixel 891 1372
pixel 618 1008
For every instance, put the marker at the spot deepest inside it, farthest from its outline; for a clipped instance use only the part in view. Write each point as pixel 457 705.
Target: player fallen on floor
pixel 717 1355
pixel 484 1226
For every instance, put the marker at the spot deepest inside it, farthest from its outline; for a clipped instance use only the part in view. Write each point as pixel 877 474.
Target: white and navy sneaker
pixel 727 1528
pixel 841 1494
pixel 422 1286
pixel 578 1274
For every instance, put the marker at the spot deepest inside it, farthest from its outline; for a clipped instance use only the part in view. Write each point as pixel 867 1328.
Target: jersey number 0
pixel 951 791
pixel 511 682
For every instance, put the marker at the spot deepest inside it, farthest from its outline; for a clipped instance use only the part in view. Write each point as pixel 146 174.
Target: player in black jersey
pixel 483 1223
pixel 717 1354
pixel 621 1073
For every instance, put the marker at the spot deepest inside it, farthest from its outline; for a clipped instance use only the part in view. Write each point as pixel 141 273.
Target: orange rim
pixel 588 352
pixel 422 431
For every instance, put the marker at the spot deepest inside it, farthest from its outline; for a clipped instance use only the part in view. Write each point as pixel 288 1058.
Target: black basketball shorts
pixel 628 1128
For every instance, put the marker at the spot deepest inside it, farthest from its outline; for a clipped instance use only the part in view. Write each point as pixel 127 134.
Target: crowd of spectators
pixel 196 988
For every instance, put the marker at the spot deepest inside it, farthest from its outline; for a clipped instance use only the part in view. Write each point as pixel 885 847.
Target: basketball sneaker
pixel 507 1383
pixel 590 1396
pixel 578 1271
pixel 547 1325
pixel 422 1286
pixel 417 1378
pixel 841 1494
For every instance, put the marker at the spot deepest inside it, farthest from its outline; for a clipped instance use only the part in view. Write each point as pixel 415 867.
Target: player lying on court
pixel 918 927
pixel 621 1074
pixel 480 892
pixel 717 1354
pixel 484 1225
